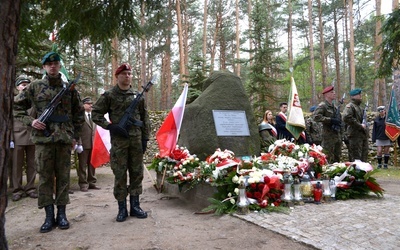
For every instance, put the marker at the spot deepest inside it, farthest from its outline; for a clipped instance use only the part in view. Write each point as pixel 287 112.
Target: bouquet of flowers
pixel 354 180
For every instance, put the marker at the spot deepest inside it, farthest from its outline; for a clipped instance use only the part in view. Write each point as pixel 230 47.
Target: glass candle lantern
pixel 242 201
pixel 296 190
pixel 332 185
pixel 306 187
pixel 318 193
pixel 327 188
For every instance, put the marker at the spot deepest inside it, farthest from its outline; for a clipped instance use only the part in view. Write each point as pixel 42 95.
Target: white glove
pixel 11 144
pixel 78 149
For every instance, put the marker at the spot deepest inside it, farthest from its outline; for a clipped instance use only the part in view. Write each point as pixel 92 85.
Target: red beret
pixel 124 66
pixel 327 89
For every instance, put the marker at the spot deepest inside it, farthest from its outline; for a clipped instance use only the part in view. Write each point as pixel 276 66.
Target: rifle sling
pixel 137 123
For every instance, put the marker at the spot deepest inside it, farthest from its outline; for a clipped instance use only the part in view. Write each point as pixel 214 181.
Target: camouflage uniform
pixel 53 152
pixel 357 134
pixel 331 139
pixel 126 153
pixel 313 131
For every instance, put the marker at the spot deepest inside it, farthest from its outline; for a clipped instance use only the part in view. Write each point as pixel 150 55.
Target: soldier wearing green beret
pixel 126 150
pixel 53 148
pixel 357 132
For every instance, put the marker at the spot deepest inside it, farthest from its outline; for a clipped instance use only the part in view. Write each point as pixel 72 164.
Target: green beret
pixel 356 91
pixel 51 57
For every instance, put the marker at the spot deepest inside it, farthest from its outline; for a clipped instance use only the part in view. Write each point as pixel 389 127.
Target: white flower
pixel 297 147
pixel 300 154
pixel 251 180
pixel 229 194
pixel 311 160
pixel 232 201
pixel 236 191
pixel 235 179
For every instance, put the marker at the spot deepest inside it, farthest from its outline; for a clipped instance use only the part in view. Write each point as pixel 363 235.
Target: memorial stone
pixel 223 96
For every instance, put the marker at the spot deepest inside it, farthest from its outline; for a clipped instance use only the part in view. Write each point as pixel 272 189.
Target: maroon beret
pixel 124 66
pixel 327 89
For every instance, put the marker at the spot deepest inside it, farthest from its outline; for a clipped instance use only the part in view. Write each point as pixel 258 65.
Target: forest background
pixel 345 43
pixel 324 42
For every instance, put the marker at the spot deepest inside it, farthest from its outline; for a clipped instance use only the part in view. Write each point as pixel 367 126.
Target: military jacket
pixel 66 122
pixel 323 114
pixel 115 102
pixel 353 116
pixel 314 130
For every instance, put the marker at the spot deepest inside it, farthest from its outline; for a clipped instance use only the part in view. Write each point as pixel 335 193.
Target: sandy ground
pixel 172 224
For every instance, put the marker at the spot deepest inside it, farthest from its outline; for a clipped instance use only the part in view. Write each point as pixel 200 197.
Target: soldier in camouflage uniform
pixel 356 131
pixel 313 129
pixel 53 152
pixel 126 150
pixel 326 113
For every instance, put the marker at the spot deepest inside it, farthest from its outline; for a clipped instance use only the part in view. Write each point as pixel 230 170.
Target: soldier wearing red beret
pixel 126 149
pixel 326 113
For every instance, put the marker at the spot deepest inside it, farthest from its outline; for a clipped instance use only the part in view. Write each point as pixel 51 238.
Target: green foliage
pixel 390 44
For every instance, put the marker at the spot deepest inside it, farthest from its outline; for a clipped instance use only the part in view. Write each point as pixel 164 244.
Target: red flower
pixel 266 180
pixel 253 185
pixel 178 154
pixel 249 194
pixel 260 186
pixel 257 195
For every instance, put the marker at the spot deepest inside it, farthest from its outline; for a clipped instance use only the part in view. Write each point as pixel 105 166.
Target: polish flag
pixel 101 147
pixel 167 135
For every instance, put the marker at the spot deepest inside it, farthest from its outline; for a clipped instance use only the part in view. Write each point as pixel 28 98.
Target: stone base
pixel 197 196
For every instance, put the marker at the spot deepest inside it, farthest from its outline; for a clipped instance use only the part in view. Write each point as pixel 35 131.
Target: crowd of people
pixel 44 145
pixel 51 121
pixel 329 127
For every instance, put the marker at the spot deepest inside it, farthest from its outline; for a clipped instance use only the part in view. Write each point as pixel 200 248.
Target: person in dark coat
pixel 380 138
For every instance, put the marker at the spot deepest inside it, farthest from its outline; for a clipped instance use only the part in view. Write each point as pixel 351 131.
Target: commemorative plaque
pixel 231 123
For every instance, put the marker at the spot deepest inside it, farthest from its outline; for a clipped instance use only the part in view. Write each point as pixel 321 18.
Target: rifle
pixel 51 107
pixel 126 121
pixel 365 121
pixel 337 128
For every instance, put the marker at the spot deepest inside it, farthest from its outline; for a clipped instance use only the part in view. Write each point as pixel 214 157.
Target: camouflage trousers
pixel 53 163
pixel 332 146
pixel 358 148
pixel 127 157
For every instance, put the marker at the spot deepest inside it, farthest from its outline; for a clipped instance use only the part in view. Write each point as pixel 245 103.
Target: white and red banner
pixel 295 123
pixel 101 147
pixel 167 135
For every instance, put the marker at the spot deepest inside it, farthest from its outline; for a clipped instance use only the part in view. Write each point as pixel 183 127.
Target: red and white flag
pixel 167 135
pixel 101 147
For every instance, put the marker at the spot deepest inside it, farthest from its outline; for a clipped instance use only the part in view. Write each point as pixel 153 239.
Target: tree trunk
pixel 205 35
pixel 379 83
pixel 312 67
pixel 351 46
pixel 249 10
pixel 322 45
pixel 290 35
pixel 237 68
pixel 114 60
pixel 9 24
pixel 337 55
pixel 180 41
pixel 143 47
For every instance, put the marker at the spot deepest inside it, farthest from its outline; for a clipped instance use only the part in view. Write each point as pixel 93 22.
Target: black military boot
pixel 61 219
pixel 122 211
pixel 49 222
pixel 135 208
